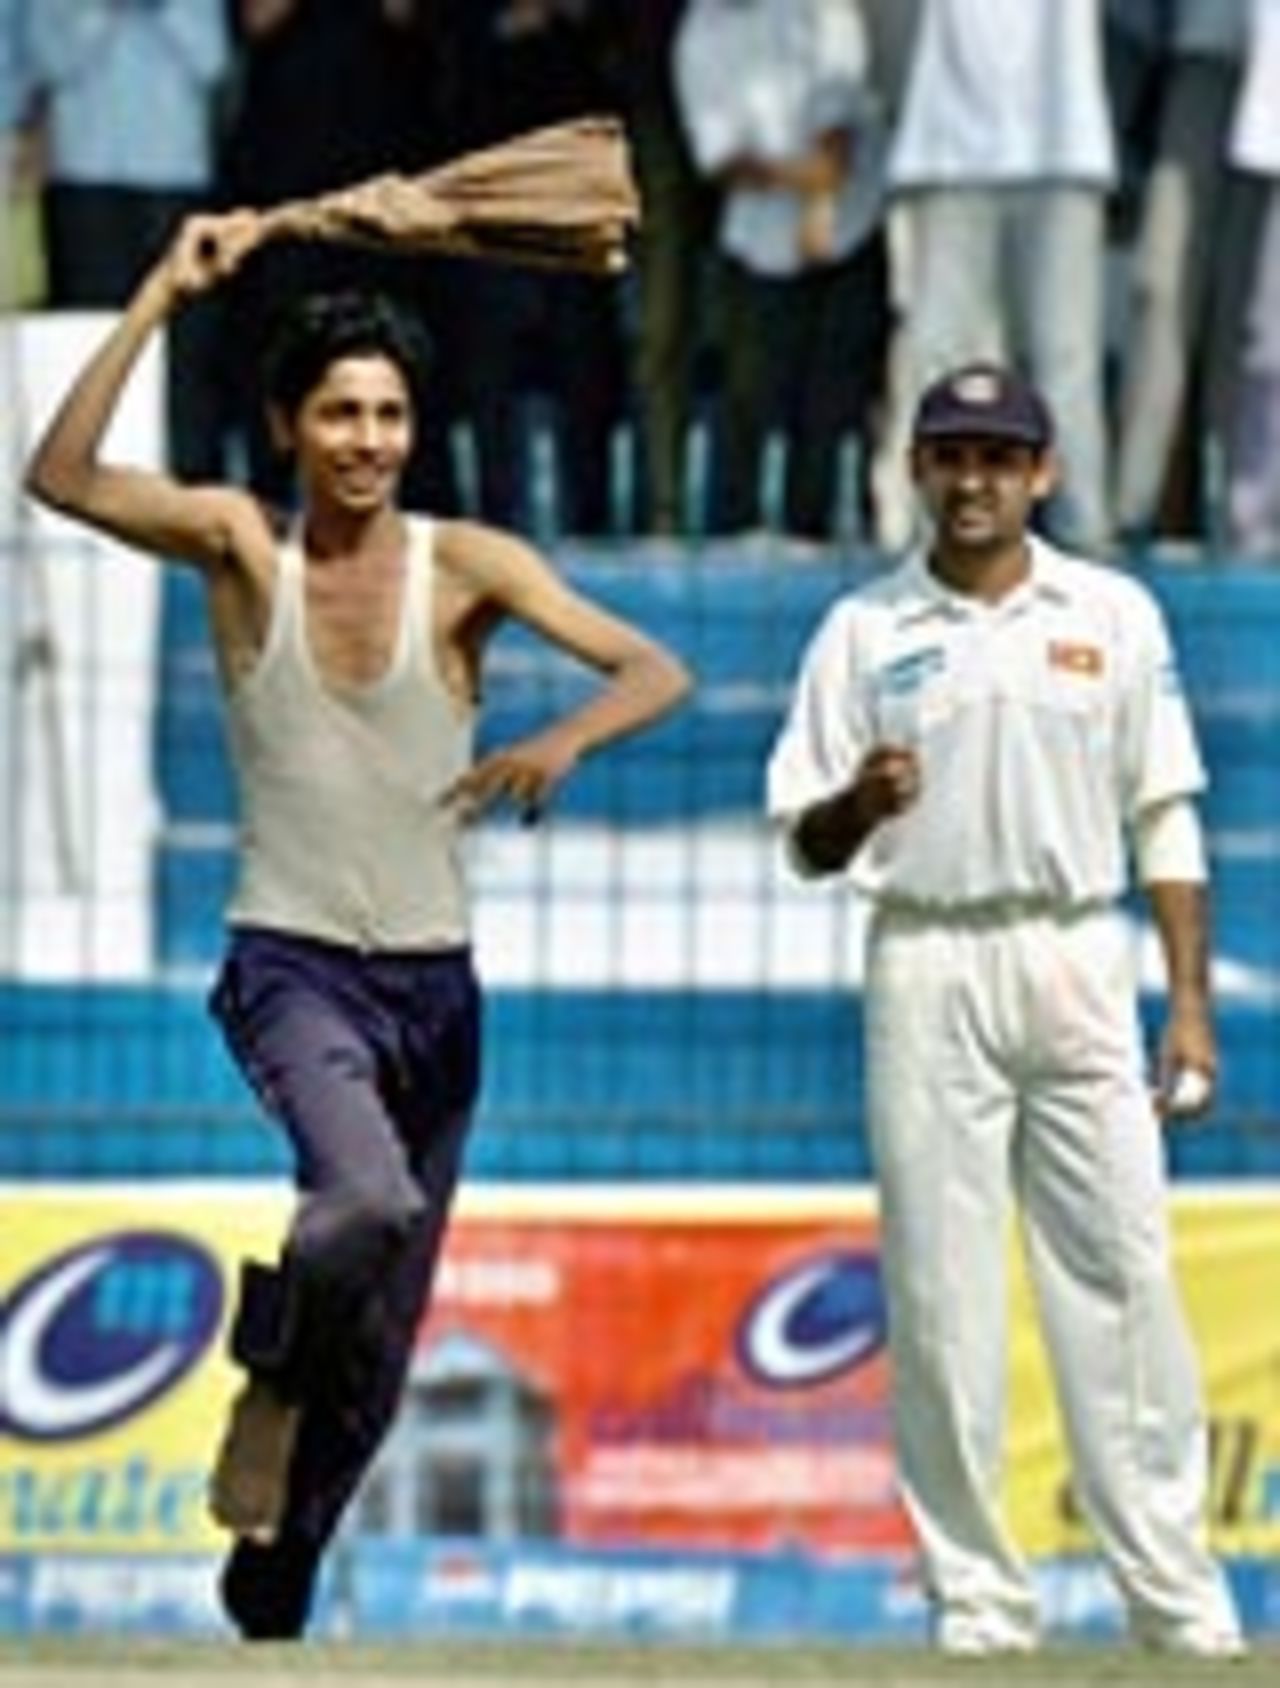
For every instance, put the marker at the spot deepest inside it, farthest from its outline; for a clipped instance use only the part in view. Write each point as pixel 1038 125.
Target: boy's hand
pixel 209 249
pixel 526 773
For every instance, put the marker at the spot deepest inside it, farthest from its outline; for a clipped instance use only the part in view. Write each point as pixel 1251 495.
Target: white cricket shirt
pixel 1044 724
pixel 764 79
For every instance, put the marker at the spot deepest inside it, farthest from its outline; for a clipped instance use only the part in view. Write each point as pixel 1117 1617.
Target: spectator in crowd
pixel 1253 488
pixel 674 263
pixel 1002 158
pixel 1189 271
pixel 514 66
pixel 128 90
pixel 780 109
pixel 327 93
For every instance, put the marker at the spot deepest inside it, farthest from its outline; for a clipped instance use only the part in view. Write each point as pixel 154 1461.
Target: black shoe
pixel 267 1590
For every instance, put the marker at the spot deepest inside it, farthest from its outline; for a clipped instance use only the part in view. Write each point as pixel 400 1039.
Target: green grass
pixel 87 1663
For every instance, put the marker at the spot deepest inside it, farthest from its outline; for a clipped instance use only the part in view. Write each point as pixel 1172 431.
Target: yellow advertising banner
pixel 1227 1249
pixel 113 1379
pixel 114 1382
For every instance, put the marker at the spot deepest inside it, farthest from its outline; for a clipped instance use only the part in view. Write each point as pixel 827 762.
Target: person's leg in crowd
pixel 953 300
pixel 590 389
pixel 1135 78
pixel 1227 335
pixel 1054 292
pixel 1182 259
pixel 195 393
pixel 754 313
pixel 1253 471
pixel 674 253
pixel 946 286
pixel 840 371
pixel 894 507
pixel 429 289
pixel 501 311
pixel 90 259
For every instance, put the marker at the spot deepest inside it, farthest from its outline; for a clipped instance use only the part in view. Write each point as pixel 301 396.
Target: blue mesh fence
pixel 663 1002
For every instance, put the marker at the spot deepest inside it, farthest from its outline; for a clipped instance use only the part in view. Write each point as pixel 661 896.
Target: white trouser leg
pixel 941 1117
pixel 951 298
pixel 1055 293
pixel 1091 1181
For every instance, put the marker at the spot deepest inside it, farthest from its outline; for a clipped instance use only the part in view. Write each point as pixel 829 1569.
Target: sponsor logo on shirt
pixel 908 673
pixel 1074 658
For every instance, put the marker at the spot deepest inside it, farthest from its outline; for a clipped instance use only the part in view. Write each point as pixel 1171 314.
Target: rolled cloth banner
pixel 561 198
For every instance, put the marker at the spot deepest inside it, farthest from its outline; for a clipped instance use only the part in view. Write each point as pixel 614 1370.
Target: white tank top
pixel 343 835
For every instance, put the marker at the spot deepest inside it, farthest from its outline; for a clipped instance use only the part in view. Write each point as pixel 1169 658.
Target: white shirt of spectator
pixel 1255 134
pixel 764 79
pixel 1004 91
pixel 1043 723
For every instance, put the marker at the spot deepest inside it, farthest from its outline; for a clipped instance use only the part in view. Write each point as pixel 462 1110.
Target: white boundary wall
pixel 78 634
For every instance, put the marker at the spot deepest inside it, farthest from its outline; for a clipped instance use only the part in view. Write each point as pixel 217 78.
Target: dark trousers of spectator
pixel 99 241
pixel 371 1065
pixel 520 334
pixel 803 356
pixel 675 258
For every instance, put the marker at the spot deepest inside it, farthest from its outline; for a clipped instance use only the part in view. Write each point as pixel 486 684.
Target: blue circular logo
pixel 102 1330
pixel 818 1319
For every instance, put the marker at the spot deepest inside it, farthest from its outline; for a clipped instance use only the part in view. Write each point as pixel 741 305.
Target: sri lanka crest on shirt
pixel 1074 656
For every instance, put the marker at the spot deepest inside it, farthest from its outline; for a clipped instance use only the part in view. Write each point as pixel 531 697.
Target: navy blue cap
pixel 987 400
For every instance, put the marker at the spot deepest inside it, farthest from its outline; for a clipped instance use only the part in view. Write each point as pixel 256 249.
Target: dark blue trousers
pixel 371 1064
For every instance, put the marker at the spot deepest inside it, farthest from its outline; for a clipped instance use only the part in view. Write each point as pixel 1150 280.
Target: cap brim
pixel 985 428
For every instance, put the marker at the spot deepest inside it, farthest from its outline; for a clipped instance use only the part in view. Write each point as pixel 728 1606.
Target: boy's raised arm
pixel 145 508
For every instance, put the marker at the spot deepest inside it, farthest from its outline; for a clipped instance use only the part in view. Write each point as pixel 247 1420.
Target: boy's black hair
pixel 317 330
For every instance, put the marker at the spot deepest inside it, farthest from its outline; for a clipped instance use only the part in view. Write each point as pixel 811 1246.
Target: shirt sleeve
pixel 840 97
pixel 62 37
pixel 1160 755
pixel 827 731
pixel 704 96
pixel 198 36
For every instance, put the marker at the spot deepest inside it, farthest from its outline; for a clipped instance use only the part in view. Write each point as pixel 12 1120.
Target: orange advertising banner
pixel 694 1368
pixel 704 1379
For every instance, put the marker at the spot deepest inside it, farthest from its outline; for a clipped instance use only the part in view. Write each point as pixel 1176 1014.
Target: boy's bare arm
pixel 643 680
pixel 145 508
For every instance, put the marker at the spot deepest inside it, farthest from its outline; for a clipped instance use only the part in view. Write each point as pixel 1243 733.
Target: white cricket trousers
pixel 1004 1060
